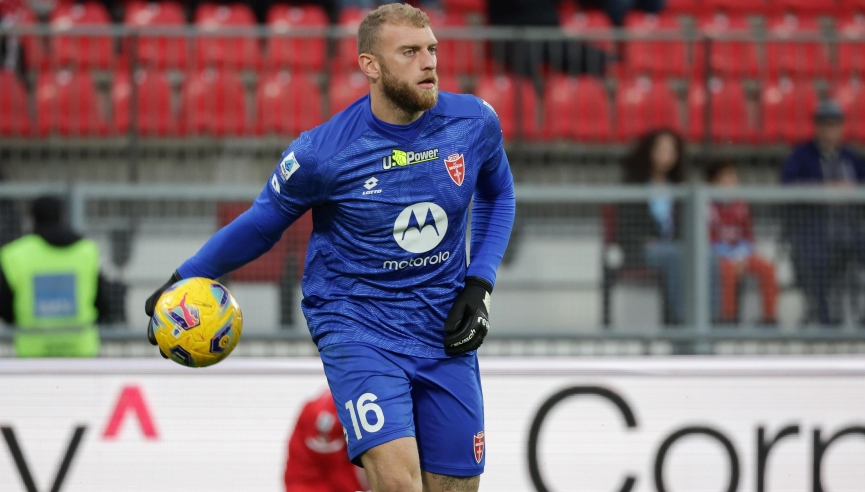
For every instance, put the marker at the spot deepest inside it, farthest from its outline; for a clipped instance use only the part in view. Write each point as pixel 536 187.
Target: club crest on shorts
pixel 456 168
pixel 479 446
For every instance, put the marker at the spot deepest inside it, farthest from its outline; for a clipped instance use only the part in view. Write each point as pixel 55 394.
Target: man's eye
pixel 433 50
pixel 408 52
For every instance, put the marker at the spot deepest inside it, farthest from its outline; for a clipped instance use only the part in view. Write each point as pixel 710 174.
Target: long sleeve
pixel 492 219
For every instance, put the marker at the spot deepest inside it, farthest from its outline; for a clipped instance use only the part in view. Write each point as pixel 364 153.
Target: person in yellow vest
pixel 50 287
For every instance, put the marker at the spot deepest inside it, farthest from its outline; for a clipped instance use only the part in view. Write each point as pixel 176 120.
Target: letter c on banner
pixel 538 422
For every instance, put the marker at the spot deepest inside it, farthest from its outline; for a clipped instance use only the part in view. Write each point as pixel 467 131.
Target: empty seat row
pixel 578 109
pixel 215 103
pixel 727 48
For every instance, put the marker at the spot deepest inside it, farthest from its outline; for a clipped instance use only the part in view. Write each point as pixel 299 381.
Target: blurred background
pixel 687 170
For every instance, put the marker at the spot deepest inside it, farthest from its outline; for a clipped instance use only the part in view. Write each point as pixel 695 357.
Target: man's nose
pixel 428 61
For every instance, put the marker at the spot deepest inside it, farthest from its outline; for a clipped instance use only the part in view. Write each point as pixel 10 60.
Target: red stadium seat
pixel 851 97
pixel 345 89
pixel 727 57
pixel 35 53
pixel 288 104
pixel 349 20
pixel 750 7
pixel 518 118
pixel 226 52
pixel 576 109
pixel 794 58
pixel 153 114
pixel 592 22
pixel 67 103
pixel 788 110
pixel 822 7
pixel 154 50
pixel 450 83
pixel 652 56
pixel 306 52
pixel 459 56
pixel 270 267
pixel 14 113
pixel 849 6
pixel 644 105
pixel 851 44
pixel 466 7
pixel 728 111
pixel 682 6
pixel 81 51
pixel 214 103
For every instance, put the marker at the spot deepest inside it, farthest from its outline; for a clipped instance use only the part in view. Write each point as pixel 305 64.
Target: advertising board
pixel 603 424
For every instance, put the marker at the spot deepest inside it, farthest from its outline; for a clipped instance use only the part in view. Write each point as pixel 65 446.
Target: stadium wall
pixel 668 424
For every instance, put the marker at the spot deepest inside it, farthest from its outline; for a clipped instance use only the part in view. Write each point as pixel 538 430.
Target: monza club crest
pixel 479 446
pixel 455 165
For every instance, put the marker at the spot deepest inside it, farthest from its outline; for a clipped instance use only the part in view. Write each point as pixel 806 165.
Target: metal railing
pixel 575 279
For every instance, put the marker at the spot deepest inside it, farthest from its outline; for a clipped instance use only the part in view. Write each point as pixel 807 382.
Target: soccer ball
pixel 197 322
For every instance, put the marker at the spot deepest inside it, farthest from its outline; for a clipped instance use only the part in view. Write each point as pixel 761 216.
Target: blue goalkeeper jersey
pixel 388 251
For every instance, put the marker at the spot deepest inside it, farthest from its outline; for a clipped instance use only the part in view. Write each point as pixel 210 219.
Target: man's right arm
pixel 294 187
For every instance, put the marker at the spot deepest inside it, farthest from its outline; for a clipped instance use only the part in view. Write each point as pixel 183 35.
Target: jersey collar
pixel 401 134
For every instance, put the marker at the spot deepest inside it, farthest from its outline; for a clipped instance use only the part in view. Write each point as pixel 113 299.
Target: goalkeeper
pixel 391 300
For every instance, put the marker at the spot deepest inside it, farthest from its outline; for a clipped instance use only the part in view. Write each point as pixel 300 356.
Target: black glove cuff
pixel 479 282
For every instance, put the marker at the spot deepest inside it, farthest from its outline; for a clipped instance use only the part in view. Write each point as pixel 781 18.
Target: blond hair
pixel 392 13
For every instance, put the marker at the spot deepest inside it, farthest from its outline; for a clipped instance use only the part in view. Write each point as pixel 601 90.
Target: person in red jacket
pixel 732 237
pixel 317 458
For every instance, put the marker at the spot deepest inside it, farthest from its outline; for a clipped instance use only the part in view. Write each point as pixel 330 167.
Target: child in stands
pixel 732 235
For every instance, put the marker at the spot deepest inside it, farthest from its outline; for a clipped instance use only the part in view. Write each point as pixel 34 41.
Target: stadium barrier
pixel 660 424
pixel 574 280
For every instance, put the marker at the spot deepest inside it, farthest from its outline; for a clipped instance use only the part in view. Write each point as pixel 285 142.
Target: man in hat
pixel 50 287
pixel 825 238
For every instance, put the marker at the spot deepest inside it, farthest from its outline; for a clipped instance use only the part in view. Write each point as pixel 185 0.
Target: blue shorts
pixel 381 396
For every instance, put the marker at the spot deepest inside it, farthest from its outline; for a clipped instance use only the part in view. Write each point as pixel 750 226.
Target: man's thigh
pixel 449 416
pixel 433 482
pixel 372 392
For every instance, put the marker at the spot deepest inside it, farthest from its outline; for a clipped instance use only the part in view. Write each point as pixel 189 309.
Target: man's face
pixel 407 56
pixel 830 133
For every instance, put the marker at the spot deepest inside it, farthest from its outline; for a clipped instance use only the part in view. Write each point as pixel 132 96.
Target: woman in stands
pixel 649 232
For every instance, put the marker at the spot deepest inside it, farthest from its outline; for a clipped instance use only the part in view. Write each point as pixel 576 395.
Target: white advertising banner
pixel 607 424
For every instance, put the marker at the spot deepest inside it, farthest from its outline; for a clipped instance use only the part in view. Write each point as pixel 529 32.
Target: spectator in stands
pixel 317 458
pixel 51 289
pixel 528 58
pixel 649 232
pixel 732 235
pixel 824 238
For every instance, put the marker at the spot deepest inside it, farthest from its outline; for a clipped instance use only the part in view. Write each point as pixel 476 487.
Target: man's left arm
pixel 492 220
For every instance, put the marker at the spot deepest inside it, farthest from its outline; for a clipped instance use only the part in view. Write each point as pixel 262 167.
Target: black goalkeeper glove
pixel 150 304
pixel 468 320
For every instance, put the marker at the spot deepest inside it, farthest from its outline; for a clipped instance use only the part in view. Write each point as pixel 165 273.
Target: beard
pixel 407 97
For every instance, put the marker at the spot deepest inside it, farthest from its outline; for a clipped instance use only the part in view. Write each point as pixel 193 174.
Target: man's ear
pixel 369 65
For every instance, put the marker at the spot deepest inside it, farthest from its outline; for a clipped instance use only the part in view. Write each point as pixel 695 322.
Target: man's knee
pixel 433 482
pixel 393 466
